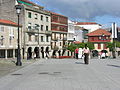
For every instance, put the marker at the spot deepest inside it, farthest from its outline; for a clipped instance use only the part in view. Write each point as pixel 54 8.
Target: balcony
pixel 55 39
pixel 32 30
pixel 64 39
pixel 48 32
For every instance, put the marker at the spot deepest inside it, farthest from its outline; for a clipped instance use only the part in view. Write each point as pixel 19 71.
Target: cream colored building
pixel 8 39
pixel 36 26
pixel 37 31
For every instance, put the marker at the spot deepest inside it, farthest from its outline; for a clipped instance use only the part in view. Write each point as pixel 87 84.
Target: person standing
pixel 86 52
pixel 76 53
pixel 47 52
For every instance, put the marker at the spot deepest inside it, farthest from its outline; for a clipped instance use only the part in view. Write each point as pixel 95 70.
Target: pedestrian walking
pixel 59 52
pixel 86 52
pixel 47 52
pixel 76 53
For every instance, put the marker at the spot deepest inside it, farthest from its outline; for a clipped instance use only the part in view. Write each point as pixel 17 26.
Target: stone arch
pixel 29 53
pixel 42 52
pixel 36 52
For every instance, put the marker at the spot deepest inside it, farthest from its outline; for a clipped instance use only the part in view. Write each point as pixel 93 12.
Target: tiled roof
pixel 8 22
pixel 99 32
pixel 32 3
pixel 86 23
pixel 57 14
pixel 27 1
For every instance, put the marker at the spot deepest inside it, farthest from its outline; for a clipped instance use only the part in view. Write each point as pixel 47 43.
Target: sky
pixel 103 12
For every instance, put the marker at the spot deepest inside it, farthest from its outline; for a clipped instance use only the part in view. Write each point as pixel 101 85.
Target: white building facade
pixel 90 26
pixel 71 31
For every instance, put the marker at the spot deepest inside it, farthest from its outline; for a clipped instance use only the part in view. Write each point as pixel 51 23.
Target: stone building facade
pixel 36 26
pixel 8 39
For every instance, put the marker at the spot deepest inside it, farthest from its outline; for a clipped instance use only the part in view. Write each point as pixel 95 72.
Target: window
pixel 47 38
pixel 36 16
pixel 29 26
pixel 41 17
pixel 10 40
pixel 60 43
pixel 42 40
pixel 107 37
pixel 100 37
pixel 30 38
pixel 41 27
pixel 11 31
pixel 2 29
pixel 29 15
pixel 46 28
pixel 99 46
pixel 1 40
pixel 92 38
pixel 36 38
pixel 47 19
pixel 36 26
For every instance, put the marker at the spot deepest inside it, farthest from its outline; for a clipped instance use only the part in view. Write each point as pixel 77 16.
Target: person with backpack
pixel 86 52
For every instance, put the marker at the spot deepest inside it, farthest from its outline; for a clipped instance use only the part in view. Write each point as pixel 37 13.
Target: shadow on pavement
pixel 79 63
pixel 113 65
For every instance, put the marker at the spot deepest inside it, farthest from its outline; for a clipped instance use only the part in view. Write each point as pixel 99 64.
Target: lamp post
pixel 114 38
pixel 18 63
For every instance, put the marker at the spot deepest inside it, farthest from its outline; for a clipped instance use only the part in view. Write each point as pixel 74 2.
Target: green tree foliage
pixel 90 45
pixel 112 45
pixel 117 43
pixel 73 46
pixel 80 45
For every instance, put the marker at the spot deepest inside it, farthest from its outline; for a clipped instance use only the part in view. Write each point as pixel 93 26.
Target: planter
pixel 62 57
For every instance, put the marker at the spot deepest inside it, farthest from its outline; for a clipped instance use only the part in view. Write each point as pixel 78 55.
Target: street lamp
pixel 18 63
pixel 114 39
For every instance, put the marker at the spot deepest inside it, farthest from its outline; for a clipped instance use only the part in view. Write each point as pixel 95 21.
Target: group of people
pixel 83 53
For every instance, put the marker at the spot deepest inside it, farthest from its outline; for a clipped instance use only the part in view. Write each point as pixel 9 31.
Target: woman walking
pixel 86 52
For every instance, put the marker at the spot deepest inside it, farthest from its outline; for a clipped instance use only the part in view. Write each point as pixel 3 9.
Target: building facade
pixel 90 26
pixel 71 31
pixel 59 27
pixel 78 35
pixel 99 37
pixel 36 24
pixel 8 39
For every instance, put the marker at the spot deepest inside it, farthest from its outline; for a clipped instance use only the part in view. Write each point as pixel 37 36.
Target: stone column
pixel 13 53
pixel 5 53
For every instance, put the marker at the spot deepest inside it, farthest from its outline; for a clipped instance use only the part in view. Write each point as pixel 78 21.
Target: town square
pixel 59 45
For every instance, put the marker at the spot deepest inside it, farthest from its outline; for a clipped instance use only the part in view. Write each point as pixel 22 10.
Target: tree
pixel 112 46
pixel 90 45
pixel 80 45
pixel 72 47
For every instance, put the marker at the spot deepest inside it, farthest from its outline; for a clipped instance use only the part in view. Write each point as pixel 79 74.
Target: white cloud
pixel 85 9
